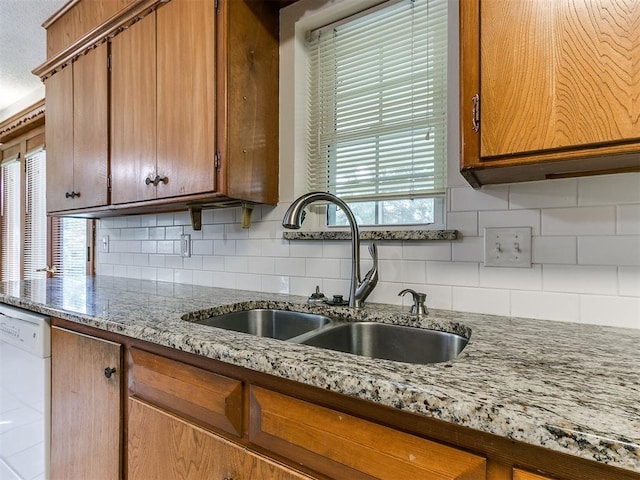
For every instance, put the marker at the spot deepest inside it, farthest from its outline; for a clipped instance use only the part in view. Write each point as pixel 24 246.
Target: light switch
pixel 105 244
pixel 185 245
pixel 507 247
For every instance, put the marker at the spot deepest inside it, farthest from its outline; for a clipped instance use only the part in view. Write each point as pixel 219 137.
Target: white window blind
pixel 11 221
pixel 377 103
pixel 69 246
pixel 35 237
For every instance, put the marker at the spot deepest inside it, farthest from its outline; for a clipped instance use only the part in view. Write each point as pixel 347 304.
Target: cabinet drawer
pixel 523 475
pixel 190 391
pixel 343 446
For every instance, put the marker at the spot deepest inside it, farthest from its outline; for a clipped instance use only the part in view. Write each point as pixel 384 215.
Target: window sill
pixel 375 235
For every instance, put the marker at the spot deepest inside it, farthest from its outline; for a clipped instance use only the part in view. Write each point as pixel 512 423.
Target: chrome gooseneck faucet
pixel 359 289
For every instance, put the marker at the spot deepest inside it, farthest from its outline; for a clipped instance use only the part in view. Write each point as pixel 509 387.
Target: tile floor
pixel 22 420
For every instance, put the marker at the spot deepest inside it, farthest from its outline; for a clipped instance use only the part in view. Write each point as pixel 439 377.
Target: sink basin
pixel 390 342
pixel 280 324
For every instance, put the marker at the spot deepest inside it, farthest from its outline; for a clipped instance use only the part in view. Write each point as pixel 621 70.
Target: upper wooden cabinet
pixel 76 133
pixel 193 88
pixel 548 89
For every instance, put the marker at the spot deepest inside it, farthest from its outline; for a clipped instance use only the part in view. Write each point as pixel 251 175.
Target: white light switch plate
pixel 105 244
pixel 185 245
pixel 507 247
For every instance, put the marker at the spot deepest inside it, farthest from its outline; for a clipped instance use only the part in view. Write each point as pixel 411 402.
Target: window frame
pixel 335 16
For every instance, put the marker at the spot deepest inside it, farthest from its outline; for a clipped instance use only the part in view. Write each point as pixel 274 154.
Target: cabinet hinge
pixel 475 112
pixel 217 161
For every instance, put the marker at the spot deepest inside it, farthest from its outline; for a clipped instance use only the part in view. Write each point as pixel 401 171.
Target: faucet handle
pixel 418 307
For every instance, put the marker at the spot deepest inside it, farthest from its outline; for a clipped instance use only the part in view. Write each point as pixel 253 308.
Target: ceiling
pixel 22 46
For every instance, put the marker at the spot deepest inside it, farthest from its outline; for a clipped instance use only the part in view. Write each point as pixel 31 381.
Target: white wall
pixel 586 235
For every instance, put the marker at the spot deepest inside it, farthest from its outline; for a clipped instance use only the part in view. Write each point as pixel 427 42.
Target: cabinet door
pixel 85 407
pixel 186 97
pixel 575 82
pixel 133 112
pixel 90 128
pixel 59 138
pixel 161 445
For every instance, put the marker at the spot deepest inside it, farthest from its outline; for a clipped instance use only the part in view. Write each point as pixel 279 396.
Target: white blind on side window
pixel 35 238
pixel 10 223
pixel 377 103
pixel 69 246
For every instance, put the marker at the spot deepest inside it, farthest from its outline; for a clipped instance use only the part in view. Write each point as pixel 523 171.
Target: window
pixel 377 112
pixel 25 229
pixel 11 219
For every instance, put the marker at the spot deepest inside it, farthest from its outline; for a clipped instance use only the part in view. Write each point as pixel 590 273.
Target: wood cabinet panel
pixel 523 475
pixel 90 128
pixel 86 411
pixel 186 97
pixel 343 446
pixel 133 112
pixel 78 19
pixel 563 105
pixel 59 136
pixel 576 84
pixel 212 399
pixel 163 446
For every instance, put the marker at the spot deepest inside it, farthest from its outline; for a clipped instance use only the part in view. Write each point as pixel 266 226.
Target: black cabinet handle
pixel 109 371
pixel 72 194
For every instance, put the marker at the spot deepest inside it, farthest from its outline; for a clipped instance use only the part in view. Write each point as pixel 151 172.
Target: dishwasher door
pixel 25 394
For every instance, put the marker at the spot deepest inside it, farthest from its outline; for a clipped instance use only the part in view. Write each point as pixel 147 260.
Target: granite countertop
pixel 567 387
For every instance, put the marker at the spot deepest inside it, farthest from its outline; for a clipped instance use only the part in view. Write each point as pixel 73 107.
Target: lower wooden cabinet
pixel 344 446
pixel 86 413
pixel 187 417
pixel 524 475
pixel 161 445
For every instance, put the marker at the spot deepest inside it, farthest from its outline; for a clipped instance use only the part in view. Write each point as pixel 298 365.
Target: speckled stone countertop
pixel 567 387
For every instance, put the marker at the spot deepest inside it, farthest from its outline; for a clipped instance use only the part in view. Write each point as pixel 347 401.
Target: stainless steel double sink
pixel 370 339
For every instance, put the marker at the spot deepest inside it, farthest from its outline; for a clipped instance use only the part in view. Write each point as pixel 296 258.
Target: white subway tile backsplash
pixel 224 247
pixel 399 271
pixel 609 250
pixel 481 300
pixel 454 274
pixel 612 311
pixel 295 267
pixel 468 249
pixel 510 218
pixel 277 247
pixel 263 265
pixel 202 247
pixel 583 279
pixel 544 194
pixel 323 267
pixel 236 264
pixel 579 221
pixel 558 250
pixel 488 198
pixel 250 248
pixel 586 258
pixel 275 284
pixel 609 189
pixel 511 278
pixel 426 250
pixel 545 305
pixel 465 222
pixel 628 220
pixel 629 281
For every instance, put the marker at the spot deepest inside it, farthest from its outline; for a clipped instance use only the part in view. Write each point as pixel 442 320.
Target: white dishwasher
pixel 25 394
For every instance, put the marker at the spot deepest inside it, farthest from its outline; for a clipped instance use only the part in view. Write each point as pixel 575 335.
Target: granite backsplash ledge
pixel 568 387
